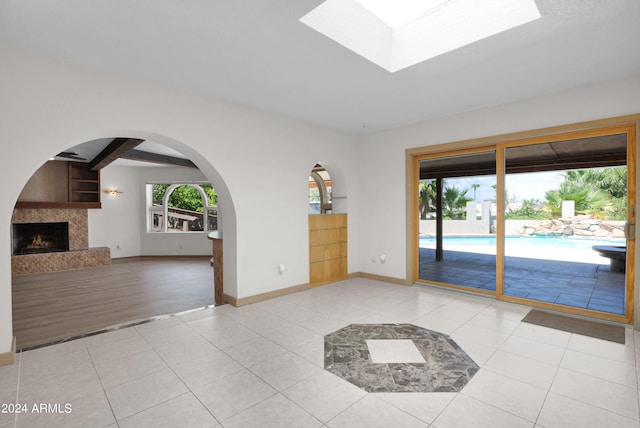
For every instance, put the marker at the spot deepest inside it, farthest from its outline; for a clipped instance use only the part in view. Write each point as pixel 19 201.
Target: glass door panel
pixel 456 202
pixel 565 216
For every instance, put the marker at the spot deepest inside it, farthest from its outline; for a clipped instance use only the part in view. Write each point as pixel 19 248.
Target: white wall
pixel 117 224
pixel 259 163
pixel 383 156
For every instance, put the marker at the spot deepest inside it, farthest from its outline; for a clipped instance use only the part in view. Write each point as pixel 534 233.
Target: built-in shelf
pixel 84 184
pixel 62 185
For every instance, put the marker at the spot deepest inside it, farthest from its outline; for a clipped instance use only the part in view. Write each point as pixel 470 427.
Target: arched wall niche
pixel 319 191
pixel 329 234
pixel 339 187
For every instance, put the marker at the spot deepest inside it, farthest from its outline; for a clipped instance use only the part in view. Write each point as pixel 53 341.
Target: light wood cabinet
pixel 327 248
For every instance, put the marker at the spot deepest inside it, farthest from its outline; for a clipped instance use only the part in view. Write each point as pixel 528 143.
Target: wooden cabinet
pixel 60 184
pixel 327 248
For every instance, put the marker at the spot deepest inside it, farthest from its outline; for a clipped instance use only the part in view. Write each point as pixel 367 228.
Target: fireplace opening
pixel 36 238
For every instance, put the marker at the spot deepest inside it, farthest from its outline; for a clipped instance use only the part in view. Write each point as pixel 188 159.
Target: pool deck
pixel 578 284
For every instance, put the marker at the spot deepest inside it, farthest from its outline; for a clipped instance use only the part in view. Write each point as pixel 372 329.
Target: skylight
pixel 396 34
pixel 397 13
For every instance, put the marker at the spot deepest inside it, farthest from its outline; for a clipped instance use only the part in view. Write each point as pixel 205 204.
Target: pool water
pixel 512 241
pixel 534 247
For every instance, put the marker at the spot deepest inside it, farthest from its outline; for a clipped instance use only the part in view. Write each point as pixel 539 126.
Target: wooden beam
pixel 115 149
pixel 142 156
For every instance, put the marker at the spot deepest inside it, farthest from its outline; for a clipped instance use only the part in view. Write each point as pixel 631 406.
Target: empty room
pixel 341 213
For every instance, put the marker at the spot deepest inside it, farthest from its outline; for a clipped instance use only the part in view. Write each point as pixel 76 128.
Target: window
pixel 182 207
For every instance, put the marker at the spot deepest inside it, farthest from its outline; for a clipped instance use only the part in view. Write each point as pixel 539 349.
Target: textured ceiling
pixel 257 53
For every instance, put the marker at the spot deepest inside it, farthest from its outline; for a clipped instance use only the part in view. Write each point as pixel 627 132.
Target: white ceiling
pixel 257 53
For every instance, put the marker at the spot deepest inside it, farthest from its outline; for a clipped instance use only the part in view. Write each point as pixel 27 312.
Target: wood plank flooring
pixel 56 306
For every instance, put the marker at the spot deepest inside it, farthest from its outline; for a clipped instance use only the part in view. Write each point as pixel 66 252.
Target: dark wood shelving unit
pixel 80 187
pixel 84 184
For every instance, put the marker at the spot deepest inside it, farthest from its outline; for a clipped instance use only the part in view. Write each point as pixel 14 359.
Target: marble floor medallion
pixel 422 361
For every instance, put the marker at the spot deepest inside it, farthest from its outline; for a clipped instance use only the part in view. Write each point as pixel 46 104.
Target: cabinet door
pixel 327 248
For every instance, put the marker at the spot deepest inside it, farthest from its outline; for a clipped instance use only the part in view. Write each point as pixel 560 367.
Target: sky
pixel 531 185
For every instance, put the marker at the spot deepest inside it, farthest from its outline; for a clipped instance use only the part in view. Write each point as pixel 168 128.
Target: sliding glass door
pixel 567 224
pixel 457 244
pixel 547 221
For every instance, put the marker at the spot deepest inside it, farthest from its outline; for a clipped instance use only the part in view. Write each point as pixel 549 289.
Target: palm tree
pixel 454 202
pixel 587 197
pixel 611 180
pixel 426 197
pixel 601 191
pixel 474 187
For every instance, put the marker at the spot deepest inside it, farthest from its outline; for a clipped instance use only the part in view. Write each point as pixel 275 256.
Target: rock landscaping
pixel 580 226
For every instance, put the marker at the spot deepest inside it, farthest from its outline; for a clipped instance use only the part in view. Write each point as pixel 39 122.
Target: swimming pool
pixel 528 241
pixel 534 247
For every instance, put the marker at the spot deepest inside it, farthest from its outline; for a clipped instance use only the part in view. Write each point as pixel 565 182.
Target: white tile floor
pixel 262 366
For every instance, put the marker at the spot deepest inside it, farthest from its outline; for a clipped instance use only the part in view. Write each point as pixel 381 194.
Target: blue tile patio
pixel 580 285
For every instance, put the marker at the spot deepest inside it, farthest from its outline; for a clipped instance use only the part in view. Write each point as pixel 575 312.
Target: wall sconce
pixel 112 192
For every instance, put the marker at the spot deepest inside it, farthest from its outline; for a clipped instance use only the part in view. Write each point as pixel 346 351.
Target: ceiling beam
pixel 142 156
pixel 115 150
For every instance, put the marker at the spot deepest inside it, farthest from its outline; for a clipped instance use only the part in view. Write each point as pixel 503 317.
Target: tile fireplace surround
pixel 79 256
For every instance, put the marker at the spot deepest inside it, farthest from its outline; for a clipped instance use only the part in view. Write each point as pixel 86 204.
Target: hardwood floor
pixel 56 306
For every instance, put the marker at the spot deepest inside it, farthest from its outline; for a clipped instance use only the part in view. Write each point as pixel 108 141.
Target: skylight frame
pixel 454 24
pixel 398 13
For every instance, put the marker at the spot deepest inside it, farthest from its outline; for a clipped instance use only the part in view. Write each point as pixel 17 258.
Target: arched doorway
pixel 110 218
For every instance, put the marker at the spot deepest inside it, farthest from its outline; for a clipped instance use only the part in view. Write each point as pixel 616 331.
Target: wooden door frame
pixel 416 222
pixel 630 130
pixel 623 124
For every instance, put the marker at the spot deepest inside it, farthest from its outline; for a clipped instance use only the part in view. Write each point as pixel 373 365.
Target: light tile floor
pixel 262 366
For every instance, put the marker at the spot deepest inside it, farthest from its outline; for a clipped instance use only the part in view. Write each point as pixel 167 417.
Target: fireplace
pixel 36 238
pixel 53 240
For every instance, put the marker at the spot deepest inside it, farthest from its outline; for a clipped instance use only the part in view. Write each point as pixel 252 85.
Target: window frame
pixel 153 210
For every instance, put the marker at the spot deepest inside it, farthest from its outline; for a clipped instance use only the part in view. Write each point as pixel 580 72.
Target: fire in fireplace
pixel 35 238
